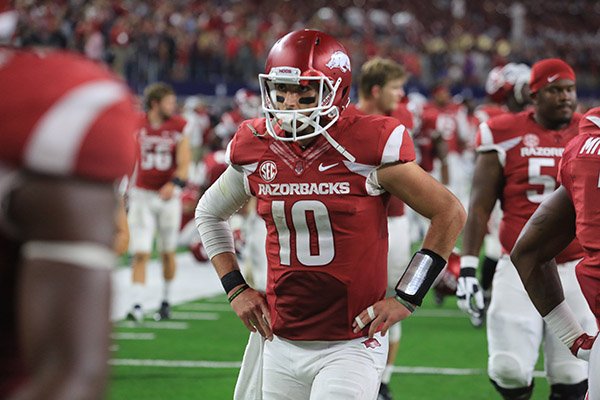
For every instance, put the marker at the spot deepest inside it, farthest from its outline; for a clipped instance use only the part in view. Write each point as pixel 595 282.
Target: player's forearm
pixel 475 230
pixel 215 207
pixel 184 158
pixel 541 282
pixel 445 228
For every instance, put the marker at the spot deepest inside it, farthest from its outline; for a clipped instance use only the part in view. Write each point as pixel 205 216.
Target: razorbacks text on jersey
pixel 580 175
pixel 61 115
pixel 326 219
pixel 529 155
pixel 157 158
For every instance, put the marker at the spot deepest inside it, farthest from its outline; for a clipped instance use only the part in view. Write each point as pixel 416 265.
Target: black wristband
pixel 468 272
pixel 422 270
pixel 178 182
pixel 232 279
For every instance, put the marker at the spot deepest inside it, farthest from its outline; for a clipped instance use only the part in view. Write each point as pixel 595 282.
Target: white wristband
pixel 469 262
pixel 563 323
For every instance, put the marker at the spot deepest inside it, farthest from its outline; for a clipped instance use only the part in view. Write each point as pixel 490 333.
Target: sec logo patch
pixel 268 171
pixel 531 140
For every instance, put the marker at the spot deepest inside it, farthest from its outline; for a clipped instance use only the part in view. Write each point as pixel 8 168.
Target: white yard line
pixel 205 307
pixel 154 325
pixel 132 336
pixel 196 316
pixel 236 364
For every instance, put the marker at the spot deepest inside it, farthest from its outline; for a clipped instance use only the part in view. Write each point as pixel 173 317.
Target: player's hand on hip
pixel 167 191
pixel 582 347
pixel 469 294
pixel 380 316
pixel 251 307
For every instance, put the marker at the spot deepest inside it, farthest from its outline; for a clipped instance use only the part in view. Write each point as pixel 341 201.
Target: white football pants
pixel 515 331
pixel 323 370
pixel 147 214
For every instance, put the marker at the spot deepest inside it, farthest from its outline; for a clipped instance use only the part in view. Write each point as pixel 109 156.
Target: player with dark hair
pixel 518 163
pixel 573 210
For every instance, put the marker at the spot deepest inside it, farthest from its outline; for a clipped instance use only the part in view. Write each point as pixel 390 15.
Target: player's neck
pixel 548 124
pixel 155 118
pixel 368 107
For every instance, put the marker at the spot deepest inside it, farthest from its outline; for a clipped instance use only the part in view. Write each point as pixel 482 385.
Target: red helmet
pixel 302 57
pixel 501 81
pixel 446 282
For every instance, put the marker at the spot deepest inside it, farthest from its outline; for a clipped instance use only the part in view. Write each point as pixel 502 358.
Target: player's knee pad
pixel 575 391
pixel 506 371
pixel 395 332
pixel 521 393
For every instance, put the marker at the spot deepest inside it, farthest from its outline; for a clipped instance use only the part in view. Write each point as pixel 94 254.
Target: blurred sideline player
pixel 246 105
pixel 65 141
pixel 518 162
pixel 322 182
pixel 154 199
pixel 507 88
pixel 572 210
pixel 380 91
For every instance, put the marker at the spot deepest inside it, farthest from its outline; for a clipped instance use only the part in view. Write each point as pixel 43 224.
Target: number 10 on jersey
pixel 300 225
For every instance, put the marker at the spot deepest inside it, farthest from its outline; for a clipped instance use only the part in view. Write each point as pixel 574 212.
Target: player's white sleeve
pixel 218 203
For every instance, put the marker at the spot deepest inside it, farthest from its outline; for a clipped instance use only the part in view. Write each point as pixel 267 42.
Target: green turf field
pixel 197 357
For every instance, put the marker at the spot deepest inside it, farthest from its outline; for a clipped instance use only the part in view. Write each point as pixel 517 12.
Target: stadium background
pixel 212 48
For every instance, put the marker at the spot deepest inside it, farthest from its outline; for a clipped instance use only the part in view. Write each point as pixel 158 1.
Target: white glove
pixel 468 291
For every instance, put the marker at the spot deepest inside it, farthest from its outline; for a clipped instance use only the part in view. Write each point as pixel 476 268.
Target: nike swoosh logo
pixel 552 78
pixel 326 167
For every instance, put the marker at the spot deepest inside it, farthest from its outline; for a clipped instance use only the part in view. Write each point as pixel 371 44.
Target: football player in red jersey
pixel 381 89
pixel 154 200
pixel 573 210
pixel 322 182
pixel 508 90
pixel 518 163
pixel 65 141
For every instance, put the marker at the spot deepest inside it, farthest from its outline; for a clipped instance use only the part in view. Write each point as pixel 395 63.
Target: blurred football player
pixel 573 210
pixel 154 199
pixel 66 139
pixel 507 88
pixel 518 163
pixel 246 105
pixel 322 182
pixel 380 92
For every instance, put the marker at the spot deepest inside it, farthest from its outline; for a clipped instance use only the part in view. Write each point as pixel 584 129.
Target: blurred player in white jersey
pixel 154 199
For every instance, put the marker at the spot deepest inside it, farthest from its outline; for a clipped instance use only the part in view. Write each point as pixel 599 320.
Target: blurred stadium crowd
pixel 225 41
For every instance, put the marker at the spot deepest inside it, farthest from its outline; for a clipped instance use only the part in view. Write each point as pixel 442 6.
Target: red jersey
pixel 529 155
pixel 580 175
pixel 79 123
pixel 215 164
pixel 490 110
pixel 60 115
pixel 437 121
pixel 326 221
pixel 401 113
pixel 157 153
